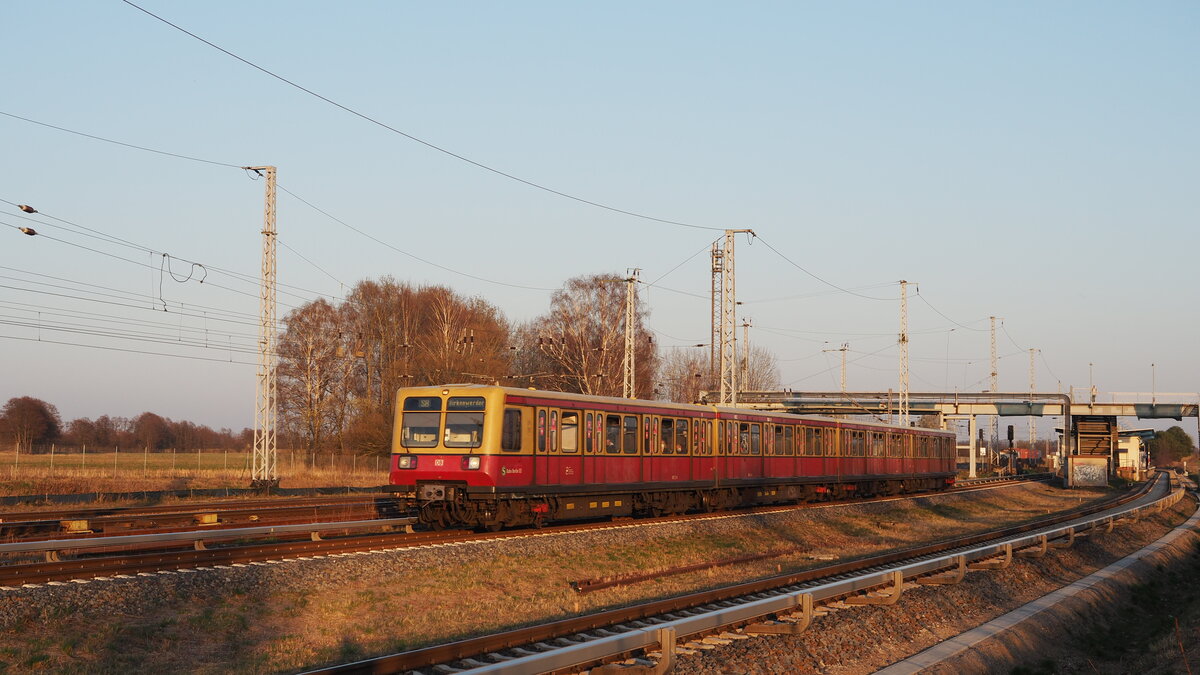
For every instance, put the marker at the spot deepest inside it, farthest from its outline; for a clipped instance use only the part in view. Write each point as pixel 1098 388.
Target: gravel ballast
pixel 303 613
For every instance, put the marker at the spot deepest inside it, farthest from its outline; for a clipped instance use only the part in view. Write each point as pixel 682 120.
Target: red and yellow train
pixel 483 456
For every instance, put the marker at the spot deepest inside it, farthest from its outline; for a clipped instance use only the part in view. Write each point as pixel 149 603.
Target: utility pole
pixel 995 383
pixel 714 342
pixel 1032 390
pixel 745 368
pixel 628 389
pixel 264 473
pixel 843 349
pixel 903 353
pixel 725 327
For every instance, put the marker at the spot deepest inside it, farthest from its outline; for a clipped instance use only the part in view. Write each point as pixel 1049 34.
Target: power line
pixel 136 336
pixel 280 187
pixel 939 313
pixel 108 238
pixel 215 312
pixel 805 296
pixel 105 302
pixel 142 264
pixel 124 320
pixel 403 252
pixel 128 351
pixel 427 144
pixel 109 140
pixel 793 263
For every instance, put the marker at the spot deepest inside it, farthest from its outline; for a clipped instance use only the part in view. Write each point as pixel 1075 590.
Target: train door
pixel 591 436
pixel 570 447
pixel 655 458
pixel 703 460
pixel 541 448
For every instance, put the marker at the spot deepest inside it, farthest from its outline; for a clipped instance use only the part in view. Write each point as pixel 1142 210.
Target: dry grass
pixel 356 611
pixel 25 474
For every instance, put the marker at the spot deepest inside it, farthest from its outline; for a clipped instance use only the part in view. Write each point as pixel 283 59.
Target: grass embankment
pixel 299 614
pixel 73 473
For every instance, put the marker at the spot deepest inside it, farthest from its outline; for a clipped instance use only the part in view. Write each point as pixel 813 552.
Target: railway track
pixel 108 521
pixel 79 557
pixel 583 642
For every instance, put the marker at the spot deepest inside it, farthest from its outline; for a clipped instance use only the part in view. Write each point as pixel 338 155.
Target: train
pixel 489 457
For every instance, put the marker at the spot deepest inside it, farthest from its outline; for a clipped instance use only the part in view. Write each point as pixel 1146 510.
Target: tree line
pixel 28 424
pixel 340 364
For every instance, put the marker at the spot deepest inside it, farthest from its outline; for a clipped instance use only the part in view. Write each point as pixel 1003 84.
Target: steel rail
pixel 197 535
pixel 150 560
pixel 635 637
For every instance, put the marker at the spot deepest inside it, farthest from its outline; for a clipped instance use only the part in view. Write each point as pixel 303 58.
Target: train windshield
pixel 420 425
pixel 464 421
pixel 420 429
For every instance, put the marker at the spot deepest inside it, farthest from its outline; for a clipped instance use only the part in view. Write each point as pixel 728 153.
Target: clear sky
pixel 1035 161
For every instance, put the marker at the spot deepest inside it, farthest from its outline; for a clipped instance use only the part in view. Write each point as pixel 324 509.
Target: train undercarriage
pixel 454 505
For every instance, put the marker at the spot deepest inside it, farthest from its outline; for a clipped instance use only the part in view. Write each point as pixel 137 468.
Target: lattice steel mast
pixel 994 388
pixel 903 353
pixel 628 388
pixel 1032 390
pixel 714 343
pixel 727 303
pixel 264 473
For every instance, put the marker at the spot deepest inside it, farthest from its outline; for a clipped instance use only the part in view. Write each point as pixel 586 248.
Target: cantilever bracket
pixel 792 624
pixel 1036 551
pixel 896 579
pixel 999 563
pixel 953 575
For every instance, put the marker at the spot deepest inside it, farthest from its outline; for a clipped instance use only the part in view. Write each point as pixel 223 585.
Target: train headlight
pixel 471 462
pixel 406 462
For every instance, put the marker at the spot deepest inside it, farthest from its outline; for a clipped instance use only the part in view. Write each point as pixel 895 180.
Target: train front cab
pixel 451 438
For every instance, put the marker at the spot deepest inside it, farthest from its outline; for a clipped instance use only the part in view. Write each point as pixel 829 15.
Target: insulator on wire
pixel 29 230
pixel 27 208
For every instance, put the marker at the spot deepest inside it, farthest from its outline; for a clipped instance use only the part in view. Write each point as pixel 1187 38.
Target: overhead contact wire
pixel 427 144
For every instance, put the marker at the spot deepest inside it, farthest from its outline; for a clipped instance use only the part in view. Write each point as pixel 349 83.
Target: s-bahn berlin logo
pixel 504 470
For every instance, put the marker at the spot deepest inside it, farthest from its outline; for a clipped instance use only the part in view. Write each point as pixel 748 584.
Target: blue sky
pixel 1031 161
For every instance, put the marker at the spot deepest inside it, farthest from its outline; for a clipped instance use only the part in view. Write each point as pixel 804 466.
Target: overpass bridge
pixel 1089 448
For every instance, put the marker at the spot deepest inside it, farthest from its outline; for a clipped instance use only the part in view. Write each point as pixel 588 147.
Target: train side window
pixel 570 431
pixel 701 436
pixel 553 431
pixel 666 435
pixel 612 434
pixel 541 430
pixel 649 434
pixel 587 433
pixel 510 433
pixel 755 439
pixel 789 441
pixel 743 433
pixel 631 435
pixel 681 437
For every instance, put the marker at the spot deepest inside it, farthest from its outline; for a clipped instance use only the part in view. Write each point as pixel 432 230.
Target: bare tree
pixel 27 420
pixel 312 360
pixel 761 373
pixel 341 365
pixel 684 374
pixel 579 345
pixel 463 340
